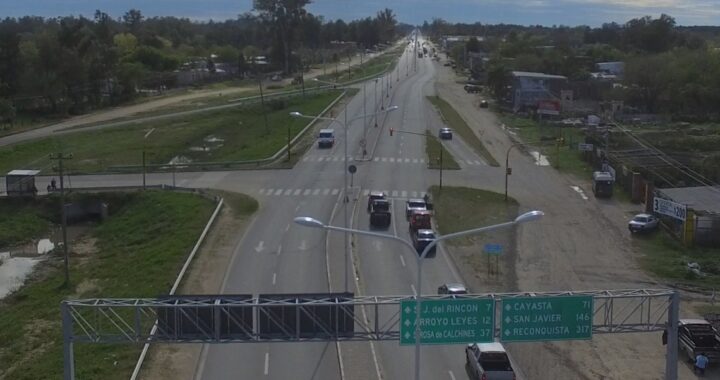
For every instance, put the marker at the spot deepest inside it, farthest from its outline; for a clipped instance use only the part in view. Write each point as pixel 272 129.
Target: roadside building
pixel 692 214
pixel 529 89
pixel 448 42
pixel 21 183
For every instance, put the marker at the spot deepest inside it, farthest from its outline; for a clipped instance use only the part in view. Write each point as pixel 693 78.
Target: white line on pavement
pixel 297 208
pixel 279 249
pixel 288 191
pixel 335 192
pixel 402 260
pixel 287 227
pixel 413 289
pixel 306 192
pixel 267 363
pixel 278 191
pixel 452 376
pixel 274 278
pixel 297 192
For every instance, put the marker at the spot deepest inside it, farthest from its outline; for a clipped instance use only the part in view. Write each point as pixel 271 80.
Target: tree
pixel 283 16
pixel 132 20
pixel 386 24
pixel 472 45
pixel 7 111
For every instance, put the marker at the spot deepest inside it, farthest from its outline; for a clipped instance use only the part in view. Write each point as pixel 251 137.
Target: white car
pixel 643 223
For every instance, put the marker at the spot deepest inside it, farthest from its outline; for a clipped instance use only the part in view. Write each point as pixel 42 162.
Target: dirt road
pixel 581 244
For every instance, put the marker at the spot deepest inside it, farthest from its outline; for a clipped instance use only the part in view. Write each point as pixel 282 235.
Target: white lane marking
pixel 407 160
pixel 395 193
pixel 422 160
pixel 326 191
pixel 279 249
pixel 413 289
pixel 580 191
pixel 305 158
pixel 261 191
pixel 403 194
pixel 366 192
pixel 267 363
pixel 297 208
pixel 452 376
pixel 335 159
pixel 278 191
pixel 402 260
pixel 478 162
pixel 392 159
pixel 414 194
pixel 270 192
pixel 335 191
pixel 288 192
pixel 297 192
pixel 316 191
pixel 287 227
pixel 306 192
pixel 321 158
pixel 415 160
pixel 303 245
pixel 376 159
pixel 260 246
pixel 384 159
pixel 274 278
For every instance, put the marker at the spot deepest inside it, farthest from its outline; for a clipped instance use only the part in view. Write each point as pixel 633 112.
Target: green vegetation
pixel 432 148
pixel 667 258
pixel 241 130
pixel 375 66
pixel 138 252
pixel 462 208
pixel 21 222
pixel 458 124
pixel 544 138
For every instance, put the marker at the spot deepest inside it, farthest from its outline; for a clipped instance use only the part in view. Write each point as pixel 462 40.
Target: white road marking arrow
pixel 260 246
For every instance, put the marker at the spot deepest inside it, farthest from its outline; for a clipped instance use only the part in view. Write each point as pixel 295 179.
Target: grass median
pixel 373 67
pixel 136 252
pixel 433 148
pixel 458 124
pixel 232 134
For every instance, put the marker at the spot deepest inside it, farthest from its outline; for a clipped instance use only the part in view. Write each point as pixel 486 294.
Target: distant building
pixel 448 42
pixel 529 89
pixel 609 71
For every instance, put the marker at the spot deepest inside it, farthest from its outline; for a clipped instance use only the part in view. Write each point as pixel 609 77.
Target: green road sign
pixel 448 321
pixel 546 318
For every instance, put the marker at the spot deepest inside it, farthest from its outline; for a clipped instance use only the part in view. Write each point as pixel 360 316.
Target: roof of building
pixel 24 172
pixel 701 198
pixel 536 75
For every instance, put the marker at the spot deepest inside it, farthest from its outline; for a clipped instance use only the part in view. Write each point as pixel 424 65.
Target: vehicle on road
pixel 447 64
pixel 374 195
pixel 603 184
pixel 488 361
pixel 643 223
pixel 484 104
pixel 446 133
pixel 326 138
pixel 472 88
pixel 380 216
pixel 421 239
pixel 414 205
pixel 697 336
pixel 452 288
pixel 420 220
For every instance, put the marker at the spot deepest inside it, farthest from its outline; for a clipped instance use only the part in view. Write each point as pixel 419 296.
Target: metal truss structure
pixel 314 317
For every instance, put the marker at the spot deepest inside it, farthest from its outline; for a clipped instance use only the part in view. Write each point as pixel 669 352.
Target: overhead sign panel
pixel 546 318
pixel 448 321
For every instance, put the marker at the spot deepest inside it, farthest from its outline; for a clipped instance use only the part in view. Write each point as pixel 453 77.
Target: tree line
pixel 668 69
pixel 67 65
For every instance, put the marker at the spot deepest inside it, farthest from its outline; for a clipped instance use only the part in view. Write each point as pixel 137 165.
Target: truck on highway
pixel 488 361
pixel 697 336
pixel 380 216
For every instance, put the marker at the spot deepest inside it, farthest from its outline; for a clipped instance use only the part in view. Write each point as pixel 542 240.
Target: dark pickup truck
pixel 380 216
pixel 697 336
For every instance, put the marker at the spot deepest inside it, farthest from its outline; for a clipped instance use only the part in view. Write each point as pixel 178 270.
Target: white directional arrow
pixel 303 245
pixel 507 319
pixel 507 332
pixel 260 246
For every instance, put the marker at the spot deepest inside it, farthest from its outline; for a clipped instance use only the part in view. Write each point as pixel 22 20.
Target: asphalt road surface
pixel 581 244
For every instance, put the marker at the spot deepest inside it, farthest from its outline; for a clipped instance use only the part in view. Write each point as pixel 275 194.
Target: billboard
pixel 548 107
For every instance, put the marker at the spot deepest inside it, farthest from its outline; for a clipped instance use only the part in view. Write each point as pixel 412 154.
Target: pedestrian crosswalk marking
pixel 278 191
pixel 297 192
pixel 288 191
pixel 335 191
pixel 395 194
pixel 326 191
pixel 307 192
pixel 316 191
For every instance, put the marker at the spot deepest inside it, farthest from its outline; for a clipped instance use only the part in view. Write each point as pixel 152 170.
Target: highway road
pixel 581 245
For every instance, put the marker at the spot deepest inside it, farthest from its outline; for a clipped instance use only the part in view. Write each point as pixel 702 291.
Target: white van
pixel 326 138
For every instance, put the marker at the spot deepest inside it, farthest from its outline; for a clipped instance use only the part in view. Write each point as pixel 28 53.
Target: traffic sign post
pixel 529 319
pixel 448 321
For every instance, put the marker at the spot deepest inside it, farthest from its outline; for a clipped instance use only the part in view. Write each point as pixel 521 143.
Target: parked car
pixel 472 88
pixel 484 104
pixel 643 223
pixel 452 288
pixel 421 240
pixel 446 133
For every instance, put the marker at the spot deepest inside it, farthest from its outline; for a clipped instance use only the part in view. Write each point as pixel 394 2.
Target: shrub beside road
pixel 137 252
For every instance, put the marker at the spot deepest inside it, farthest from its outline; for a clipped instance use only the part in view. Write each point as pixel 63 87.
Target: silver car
pixel 643 223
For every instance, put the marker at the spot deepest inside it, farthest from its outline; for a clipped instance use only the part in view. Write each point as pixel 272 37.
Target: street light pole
pixel 526 217
pixel 375 105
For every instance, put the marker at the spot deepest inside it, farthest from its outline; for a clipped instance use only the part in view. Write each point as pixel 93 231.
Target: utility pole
pixel 60 157
pixel 262 101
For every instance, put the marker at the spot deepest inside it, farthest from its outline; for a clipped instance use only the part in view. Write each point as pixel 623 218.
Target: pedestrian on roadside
pixel 701 362
pixel 53 184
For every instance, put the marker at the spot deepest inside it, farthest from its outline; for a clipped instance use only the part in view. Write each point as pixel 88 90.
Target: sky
pixel 525 12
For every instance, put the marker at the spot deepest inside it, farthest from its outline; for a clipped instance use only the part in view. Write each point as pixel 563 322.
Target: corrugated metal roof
pixel 701 198
pixel 24 172
pixel 536 75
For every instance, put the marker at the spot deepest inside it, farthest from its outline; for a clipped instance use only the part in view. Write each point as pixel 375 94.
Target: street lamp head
pixel 529 216
pixel 295 114
pixel 309 222
pixel 392 108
